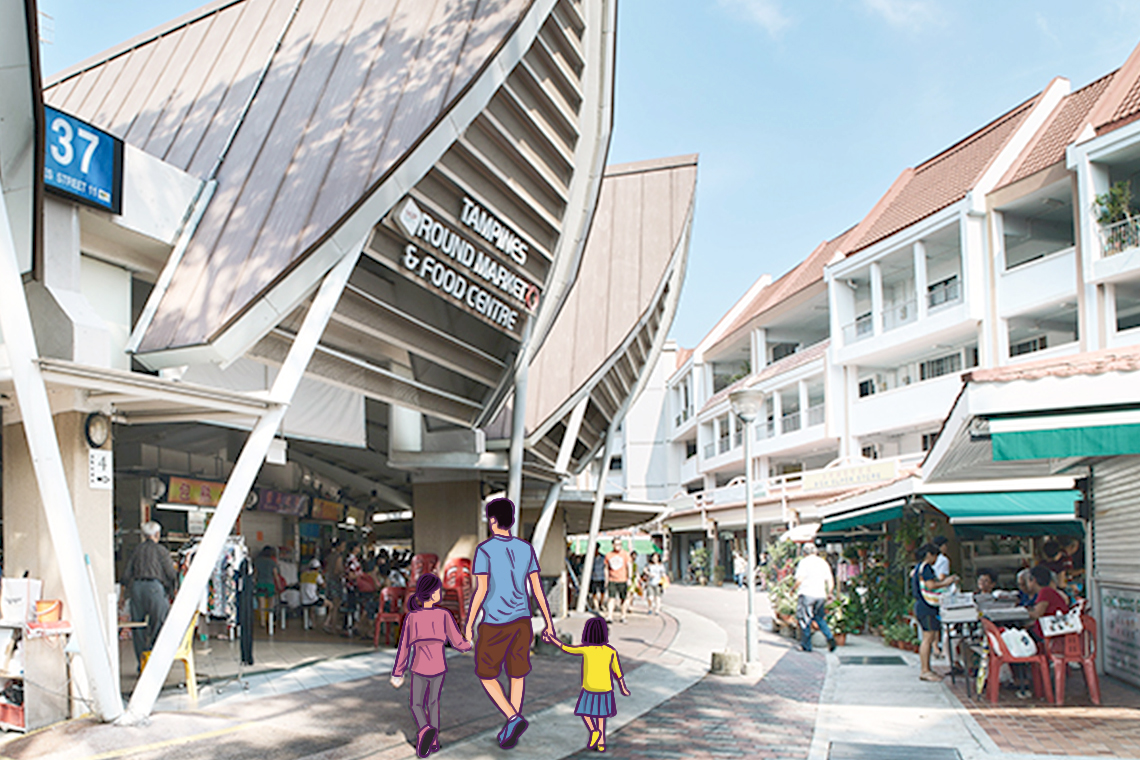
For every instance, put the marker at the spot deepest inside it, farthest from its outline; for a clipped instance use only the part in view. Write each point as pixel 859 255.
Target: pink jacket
pixel 426 630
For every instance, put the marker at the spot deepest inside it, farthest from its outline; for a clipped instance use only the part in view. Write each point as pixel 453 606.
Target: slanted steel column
pixel 596 516
pixel 43 445
pixel 518 428
pixel 569 439
pixel 245 470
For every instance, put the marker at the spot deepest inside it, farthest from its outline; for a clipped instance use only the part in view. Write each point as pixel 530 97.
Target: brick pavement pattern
pixel 1076 728
pixel 773 719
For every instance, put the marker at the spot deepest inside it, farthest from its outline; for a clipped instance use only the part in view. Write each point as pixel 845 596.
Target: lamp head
pixel 747 403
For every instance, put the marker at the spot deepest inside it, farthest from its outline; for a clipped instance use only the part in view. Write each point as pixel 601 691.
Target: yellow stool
pixel 185 653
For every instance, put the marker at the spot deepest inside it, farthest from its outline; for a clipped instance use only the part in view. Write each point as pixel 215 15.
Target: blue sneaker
pixel 511 732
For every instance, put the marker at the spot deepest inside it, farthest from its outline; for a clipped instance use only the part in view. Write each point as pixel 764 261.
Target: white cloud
pixel 766 14
pixel 905 14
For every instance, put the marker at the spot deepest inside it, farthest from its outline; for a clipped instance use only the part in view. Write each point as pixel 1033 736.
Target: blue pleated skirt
pixel 596 704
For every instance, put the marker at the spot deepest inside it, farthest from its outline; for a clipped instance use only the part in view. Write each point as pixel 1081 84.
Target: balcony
pixel 816 415
pixel 722 445
pixel 710 450
pixel 765 429
pixel 682 417
pixel 862 327
pixel 943 293
pixel 737 439
pixel 899 314
pixel 1119 236
pixel 790 422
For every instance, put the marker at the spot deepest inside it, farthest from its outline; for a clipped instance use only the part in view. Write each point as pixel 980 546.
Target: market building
pixel 298 273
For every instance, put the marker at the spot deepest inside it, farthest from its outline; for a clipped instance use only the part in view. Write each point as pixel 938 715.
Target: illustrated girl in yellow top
pixel 600 666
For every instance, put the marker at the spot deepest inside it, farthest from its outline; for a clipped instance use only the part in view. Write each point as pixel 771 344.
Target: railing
pixel 682 417
pixel 765 429
pixel 722 444
pixel 816 414
pixel 710 450
pixel 790 422
pixel 899 314
pixel 861 328
pixel 943 293
pixel 1119 236
pixel 737 439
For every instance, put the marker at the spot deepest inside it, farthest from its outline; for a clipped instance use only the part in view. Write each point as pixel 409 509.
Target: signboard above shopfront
pixel 82 162
pixel 849 477
pixel 323 509
pixel 202 493
pixel 294 504
pixel 489 284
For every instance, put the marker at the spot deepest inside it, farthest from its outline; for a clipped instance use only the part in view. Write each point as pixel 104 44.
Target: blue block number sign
pixel 83 162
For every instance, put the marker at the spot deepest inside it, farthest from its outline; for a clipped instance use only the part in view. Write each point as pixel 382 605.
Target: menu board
pixel 296 504
pixel 1120 626
pixel 323 509
pixel 203 493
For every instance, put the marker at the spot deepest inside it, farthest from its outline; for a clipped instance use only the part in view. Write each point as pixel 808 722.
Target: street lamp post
pixel 747 403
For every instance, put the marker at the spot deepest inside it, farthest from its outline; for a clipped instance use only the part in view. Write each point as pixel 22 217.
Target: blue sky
pixel 803 112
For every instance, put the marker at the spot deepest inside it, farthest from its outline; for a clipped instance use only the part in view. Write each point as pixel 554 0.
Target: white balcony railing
pixel 863 327
pixel 710 450
pixel 899 314
pixel 1120 236
pixel 816 415
pixel 765 429
pixel 723 445
pixel 943 293
pixel 790 422
pixel 682 417
pixel 737 439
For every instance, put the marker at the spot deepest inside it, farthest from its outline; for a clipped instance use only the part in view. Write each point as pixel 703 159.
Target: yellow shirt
pixel 597 663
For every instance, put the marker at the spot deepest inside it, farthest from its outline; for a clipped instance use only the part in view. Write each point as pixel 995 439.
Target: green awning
pixel 979 531
pixel 1007 507
pixel 1057 436
pixel 643 545
pixel 879 513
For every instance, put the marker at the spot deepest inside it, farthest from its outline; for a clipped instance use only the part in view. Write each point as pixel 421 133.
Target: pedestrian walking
pixel 656 580
pixel 503 568
pixel 739 567
pixel 150 578
pixel 424 631
pixel 814 582
pixel 598 580
pixel 619 566
pixel 600 667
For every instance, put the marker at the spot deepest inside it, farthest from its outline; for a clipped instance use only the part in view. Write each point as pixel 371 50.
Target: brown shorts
pixel 507 644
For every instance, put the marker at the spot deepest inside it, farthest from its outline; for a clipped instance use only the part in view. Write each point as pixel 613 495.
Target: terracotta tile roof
pixel 683 356
pixel 806 273
pixel 939 182
pixel 1090 363
pixel 787 364
pixel 1048 146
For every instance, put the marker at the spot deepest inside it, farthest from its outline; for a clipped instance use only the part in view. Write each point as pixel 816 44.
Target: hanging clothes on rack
pixel 245 617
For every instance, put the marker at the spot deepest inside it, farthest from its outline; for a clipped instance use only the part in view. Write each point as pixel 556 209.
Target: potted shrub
pixel 699 564
pixel 846 615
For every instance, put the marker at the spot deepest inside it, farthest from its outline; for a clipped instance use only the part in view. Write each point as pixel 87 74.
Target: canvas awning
pixel 1012 513
pixel 873 515
pixel 1057 436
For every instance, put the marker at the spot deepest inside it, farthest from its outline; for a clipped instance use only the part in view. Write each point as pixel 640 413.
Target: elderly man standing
pixel 149 578
pixel 814 583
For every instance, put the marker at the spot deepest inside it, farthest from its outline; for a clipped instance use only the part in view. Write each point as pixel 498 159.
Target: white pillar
pixel 518 429
pixel 241 479
pixel 777 413
pixel 877 297
pixel 920 283
pixel 39 427
pixel 759 349
pixel 803 388
pixel 596 516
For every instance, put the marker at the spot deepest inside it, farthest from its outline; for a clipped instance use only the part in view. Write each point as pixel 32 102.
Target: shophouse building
pixel 333 245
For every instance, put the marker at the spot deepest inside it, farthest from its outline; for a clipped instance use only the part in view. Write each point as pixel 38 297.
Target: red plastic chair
pixel 999 655
pixel 421 563
pixel 456 588
pixel 1076 647
pixel 392 610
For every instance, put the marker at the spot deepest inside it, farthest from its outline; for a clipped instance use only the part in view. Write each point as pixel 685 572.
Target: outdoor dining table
pixel 965 625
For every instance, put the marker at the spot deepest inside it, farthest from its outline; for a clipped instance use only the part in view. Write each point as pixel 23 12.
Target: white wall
pixel 108 289
pixel 646 433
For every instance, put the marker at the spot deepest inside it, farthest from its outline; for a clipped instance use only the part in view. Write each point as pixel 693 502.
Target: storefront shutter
pixel 1116 525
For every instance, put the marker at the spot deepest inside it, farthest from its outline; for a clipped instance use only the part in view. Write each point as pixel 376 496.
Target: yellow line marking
pixel 169 742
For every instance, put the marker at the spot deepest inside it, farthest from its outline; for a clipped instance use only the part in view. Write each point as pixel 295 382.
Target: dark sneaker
pixel 512 731
pixel 425 740
pixel 831 645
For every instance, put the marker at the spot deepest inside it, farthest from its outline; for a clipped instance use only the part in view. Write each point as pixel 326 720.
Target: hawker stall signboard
pixel 83 162
pixel 1120 625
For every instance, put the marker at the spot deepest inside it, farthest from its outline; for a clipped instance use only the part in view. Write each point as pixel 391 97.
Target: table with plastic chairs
pixel 393 608
pixel 998 654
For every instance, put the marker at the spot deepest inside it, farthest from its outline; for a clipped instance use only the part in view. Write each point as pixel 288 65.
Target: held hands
pixel 396 681
pixel 551 637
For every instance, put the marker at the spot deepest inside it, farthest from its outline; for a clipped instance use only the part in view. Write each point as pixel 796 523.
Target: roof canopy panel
pixel 349 89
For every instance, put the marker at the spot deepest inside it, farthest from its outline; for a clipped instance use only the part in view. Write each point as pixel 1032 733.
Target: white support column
pixel 518 429
pixel 596 515
pixel 542 527
pixel 39 427
pixel 241 479
pixel 877 297
pixel 920 283
pixel 573 427
pixel 759 349
pixel 777 413
pixel 803 404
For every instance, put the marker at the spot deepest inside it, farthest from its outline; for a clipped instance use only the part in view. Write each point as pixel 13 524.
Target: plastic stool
pixel 185 653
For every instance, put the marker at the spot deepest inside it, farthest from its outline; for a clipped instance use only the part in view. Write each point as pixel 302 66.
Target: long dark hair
pixel 595 632
pixel 426 586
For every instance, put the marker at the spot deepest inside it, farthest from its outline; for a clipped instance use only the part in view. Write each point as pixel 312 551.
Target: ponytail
pixel 426 586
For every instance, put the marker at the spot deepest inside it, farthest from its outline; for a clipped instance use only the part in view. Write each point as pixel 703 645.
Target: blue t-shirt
pixel 506 561
pixel 921 606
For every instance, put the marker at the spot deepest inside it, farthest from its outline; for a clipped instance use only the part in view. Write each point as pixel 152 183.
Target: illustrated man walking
pixel 503 568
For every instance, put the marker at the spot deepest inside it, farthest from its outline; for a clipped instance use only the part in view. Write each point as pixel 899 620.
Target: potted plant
pixel 846 615
pixel 1115 207
pixel 699 564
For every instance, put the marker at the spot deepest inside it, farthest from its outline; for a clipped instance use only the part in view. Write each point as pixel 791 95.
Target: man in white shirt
pixel 814 584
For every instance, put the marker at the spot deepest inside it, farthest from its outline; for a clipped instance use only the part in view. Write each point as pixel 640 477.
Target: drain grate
pixel 892 659
pixel 854 751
